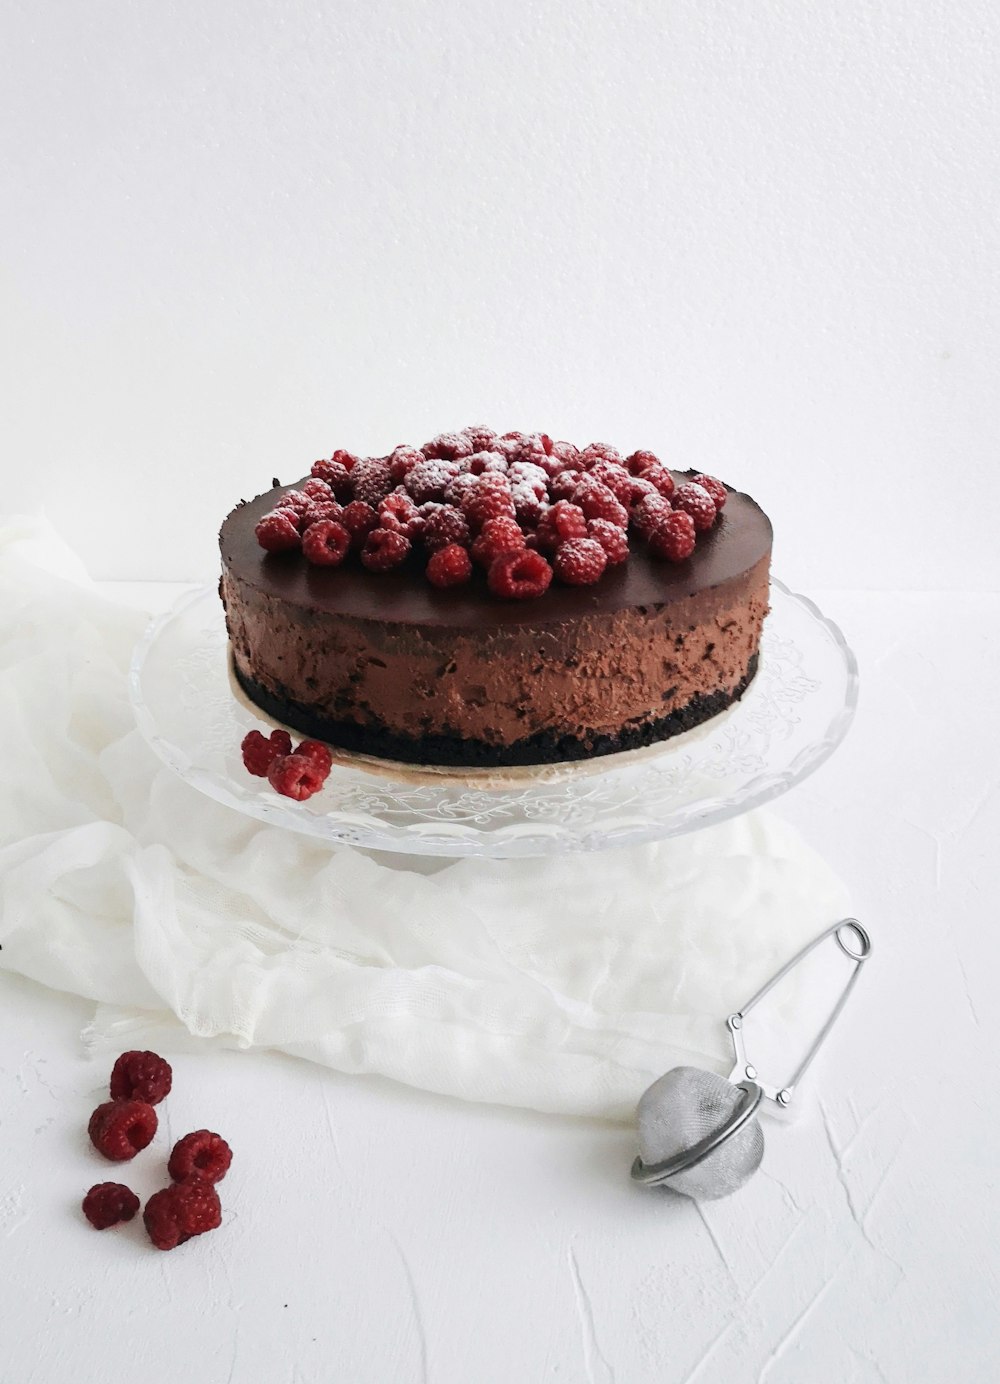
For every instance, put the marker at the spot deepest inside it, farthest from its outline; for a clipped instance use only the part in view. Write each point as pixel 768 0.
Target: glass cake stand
pixel 793 716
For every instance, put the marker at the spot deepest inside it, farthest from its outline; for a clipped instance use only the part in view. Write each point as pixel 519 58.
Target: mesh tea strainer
pixel 698 1132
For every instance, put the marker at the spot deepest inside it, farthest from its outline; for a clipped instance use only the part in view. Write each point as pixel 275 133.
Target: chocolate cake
pixel 371 655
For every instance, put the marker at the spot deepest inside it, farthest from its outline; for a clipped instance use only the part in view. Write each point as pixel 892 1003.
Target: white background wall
pixel 759 237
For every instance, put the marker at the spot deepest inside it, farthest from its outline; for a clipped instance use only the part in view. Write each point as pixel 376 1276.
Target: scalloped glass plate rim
pixel 528 837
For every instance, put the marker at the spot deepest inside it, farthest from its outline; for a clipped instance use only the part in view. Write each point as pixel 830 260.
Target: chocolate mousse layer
pixel 388 665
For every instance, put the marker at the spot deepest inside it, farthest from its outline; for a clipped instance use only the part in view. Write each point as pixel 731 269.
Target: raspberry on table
pixel 562 521
pixel 613 540
pixel 295 776
pixel 318 755
pixel 384 550
pixel 371 480
pixel 519 576
pixel 260 752
pixel 109 1203
pixel 497 536
pixel 181 1211
pixel 143 1076
pixel 693 500
pixel 579 561
pixel 673 537
pixel 277 533
pixel 597 502
pixel 359 519
pixel 449 566
pixel 201 1154
pixel 326 543
pixel 122 1128
pixel 715 488
pixel 444 527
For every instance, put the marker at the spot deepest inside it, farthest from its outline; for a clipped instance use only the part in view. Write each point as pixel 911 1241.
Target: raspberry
pixel 693 500
pixel 640 489
pixel 497 536
pixel 580 562
pixel 519 576
pixel 458 487
pixel 615 477
pixel 384 549
pixel 449 566
pixel 482 438
pixel 561 487
pixel 525 474
pixel 491 499
pixel 715 488
pixel 430 479
pixel 259 753
pixel 481 462
pixel 120 1128
pixel 398 512
pixel 359 519
pixel 108 1203
pixel 337 477
pixel 317 490
pixel 201 1154
pixel 559 523
pixel 673 537
pixel 402 461
pixel 295 776
pixel 448 447
pixel 176 1213
pixel 660 479
pixel 566 452
pixel 318 510
pixel 649 512
pixel 345 459
pixel 639 461
pixel 446 526
pixel 326 543
pixel 528 506
pixel 143 1076
pixel 612 539
pixel 597 502
pixel 547 444
pixel 600 451
pixel 371 480
pixel 277 533
pixel 519 446
pixel 296 500
pixel 318 755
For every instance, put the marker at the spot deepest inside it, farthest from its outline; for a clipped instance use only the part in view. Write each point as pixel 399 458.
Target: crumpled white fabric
pixel 564 984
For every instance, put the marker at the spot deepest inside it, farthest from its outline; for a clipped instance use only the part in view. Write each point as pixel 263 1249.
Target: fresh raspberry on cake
pixel 673 537
pixel 641 461
pixel 560 522
pixel 448 447
pixel 490 499
pixel 122 1128
pixel 296 500
pixel 336 476
pixel 260 752
pixel 430 479
pixel 567 452
pixel 597 502
pixel 561 487
pixel 613 540
pixel 326 543
pixel 179 1212
pixel 201 1154
pixel 322 509
pixel 481 462
pixel 528 506
pixel 481 438
pixel 384 550
pixel 640 489
pixel 715 488
pixel 277 533
pixel 109 1203
pixel 402 461
pixel 444 527
pixel 359 519
pixel 348 460
pixel 318 755
pixel 317 489
pixel 615 477
pixel 519 576
pixel 660 479
pixel 141 1076
pixel 600 451
pixel 527 474
pixel 649 512
pixel 372 480
pixel 398 512
pixel 519 446
pixel 497 536
pixel 579 561
pixel 459 487
pixel 450 566
pixel 295 776
pixel 697 502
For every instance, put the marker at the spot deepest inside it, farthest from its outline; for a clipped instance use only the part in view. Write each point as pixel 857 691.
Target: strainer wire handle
pixel 858 954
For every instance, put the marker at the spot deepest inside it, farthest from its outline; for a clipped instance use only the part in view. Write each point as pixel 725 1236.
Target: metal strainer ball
pixel 698 1132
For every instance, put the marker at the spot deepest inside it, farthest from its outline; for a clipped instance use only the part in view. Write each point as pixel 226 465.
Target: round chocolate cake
pixel 376 658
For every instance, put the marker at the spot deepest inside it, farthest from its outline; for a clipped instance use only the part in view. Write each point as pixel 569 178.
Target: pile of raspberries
pixel 522 507
pixel 297 774
pixel 126 1124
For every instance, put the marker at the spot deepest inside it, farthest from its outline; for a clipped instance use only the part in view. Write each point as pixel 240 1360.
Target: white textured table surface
pixel 375 1235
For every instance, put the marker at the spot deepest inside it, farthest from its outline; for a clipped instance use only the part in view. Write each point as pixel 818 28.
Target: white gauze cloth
pixel 565 984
